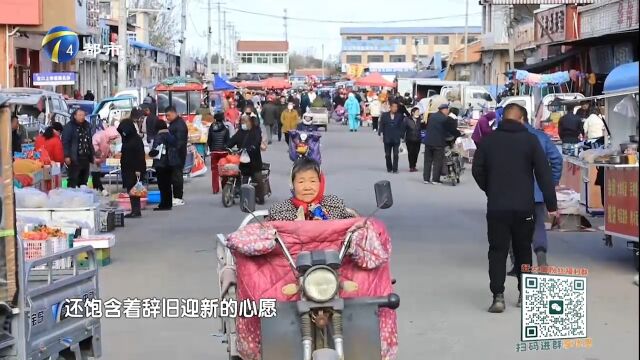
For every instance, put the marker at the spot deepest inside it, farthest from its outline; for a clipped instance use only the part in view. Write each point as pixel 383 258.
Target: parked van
pixel 36 108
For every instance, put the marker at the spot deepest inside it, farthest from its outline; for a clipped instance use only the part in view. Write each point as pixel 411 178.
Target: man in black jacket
pixel 503 167
pixel 149 123
pixel 439 127
pixel 392 128
pixel 570 128
pixel 217 142
pixel 78 149
pixel 178 128
pixel 270 117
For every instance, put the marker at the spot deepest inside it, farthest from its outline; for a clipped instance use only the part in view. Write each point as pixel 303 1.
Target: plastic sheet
pixel 31 198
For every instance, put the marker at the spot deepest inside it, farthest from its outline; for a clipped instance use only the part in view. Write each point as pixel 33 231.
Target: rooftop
pixel 408 30
pixel 250 45
pixel 473 54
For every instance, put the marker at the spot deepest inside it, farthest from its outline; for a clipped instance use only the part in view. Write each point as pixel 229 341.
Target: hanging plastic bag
pixel 138 190
pixel 628 107
pixel 244 157
pixel 402 150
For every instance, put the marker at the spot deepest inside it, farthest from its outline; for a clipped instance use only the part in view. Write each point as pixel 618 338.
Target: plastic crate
pixel 153 197
pixel 37 249
pixel 119 218
pixel 107 220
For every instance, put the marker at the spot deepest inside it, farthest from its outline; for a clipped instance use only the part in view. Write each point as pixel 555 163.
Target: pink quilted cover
pixel 265 275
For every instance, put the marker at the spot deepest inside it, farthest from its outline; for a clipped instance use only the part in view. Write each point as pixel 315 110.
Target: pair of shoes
pixel 436 183
pixel 427 182
pixel 389 171
pixel 519 304
pixel 269 143
pixel 498 305
pixel 105 193
pixel 413 170
pixel 512 272
pixel 541 256
pixel 162 209
pixel 178 202
pixel 132 215
pixel 395 171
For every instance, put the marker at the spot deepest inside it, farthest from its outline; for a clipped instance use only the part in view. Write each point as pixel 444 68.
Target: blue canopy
pixel 219 84
pixel 622 78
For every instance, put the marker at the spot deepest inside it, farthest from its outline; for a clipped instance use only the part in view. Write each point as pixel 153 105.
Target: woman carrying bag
pixel 249 140
pixel 132 163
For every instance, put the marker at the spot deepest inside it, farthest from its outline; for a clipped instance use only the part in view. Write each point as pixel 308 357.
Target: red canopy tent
pixel 275 83
pixel 374 79
pixel 248 85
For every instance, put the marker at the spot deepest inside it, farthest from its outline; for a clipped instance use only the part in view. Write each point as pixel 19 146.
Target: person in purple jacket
pixel 484 127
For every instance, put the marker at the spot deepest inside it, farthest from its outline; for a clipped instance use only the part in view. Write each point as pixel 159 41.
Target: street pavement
pixel 439 260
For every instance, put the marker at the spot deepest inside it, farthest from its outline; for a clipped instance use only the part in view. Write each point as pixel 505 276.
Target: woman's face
pixel 306 185
pixel 247 123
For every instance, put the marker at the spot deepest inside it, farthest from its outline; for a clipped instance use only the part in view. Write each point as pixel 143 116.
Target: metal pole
pixel 219 40
pixel 230 49
pixel 512 40
pixel 183 44
pixel 286 35
pixel 224 39
pixel 123 42
pixel 323 61
pixel 466 31
pixel 209 37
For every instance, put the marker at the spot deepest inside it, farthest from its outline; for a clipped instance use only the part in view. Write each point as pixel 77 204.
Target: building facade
pixel 262 58
pixel 362 46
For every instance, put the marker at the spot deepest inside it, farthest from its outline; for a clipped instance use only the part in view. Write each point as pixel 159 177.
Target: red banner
pixel 621 201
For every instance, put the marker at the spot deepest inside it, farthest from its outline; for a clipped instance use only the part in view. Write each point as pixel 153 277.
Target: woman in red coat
pixel 51 142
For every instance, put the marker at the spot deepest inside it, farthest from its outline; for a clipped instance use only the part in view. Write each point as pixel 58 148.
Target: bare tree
pixel 164 26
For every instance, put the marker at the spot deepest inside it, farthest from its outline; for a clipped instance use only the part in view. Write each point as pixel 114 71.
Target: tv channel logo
pixel 61 44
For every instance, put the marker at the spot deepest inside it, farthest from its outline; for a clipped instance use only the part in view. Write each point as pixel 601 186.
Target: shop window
pixel 421 40
pixel 246 58
pixel 397 58
pixel 441 40
pixel 262 59
pixel 375 58
pixel 400 39
pixel 354 59
pixel 375 38
pixel 354 37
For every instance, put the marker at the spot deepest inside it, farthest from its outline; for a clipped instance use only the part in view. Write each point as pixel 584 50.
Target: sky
pixel 309 37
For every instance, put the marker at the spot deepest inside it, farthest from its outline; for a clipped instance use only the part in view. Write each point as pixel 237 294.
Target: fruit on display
pixel 42 232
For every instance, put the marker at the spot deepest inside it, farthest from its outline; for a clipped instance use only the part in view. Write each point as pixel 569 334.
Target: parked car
pixel 113 109
pixel 319 117
pixel 36 108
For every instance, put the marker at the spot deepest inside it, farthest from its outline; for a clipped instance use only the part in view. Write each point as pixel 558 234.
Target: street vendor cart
pixel 185 94
pixel 621 179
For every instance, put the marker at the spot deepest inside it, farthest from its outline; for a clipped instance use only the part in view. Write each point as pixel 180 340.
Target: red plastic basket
pixel 229 170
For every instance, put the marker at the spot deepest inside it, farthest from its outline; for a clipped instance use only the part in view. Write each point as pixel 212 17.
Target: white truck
pixel 471 96
pixel 538 109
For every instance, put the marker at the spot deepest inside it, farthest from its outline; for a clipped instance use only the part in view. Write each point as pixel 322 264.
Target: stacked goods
pixel 44 241
pixel 229 165
pixel 568 202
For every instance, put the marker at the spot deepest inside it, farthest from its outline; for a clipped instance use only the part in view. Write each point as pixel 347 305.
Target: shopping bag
pixel 138 190
pixel 402 150
pixel 244 157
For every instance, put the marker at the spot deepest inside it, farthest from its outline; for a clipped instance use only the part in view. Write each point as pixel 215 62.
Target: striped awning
pixel 538 2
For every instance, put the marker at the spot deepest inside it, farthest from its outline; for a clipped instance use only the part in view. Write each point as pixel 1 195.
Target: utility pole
pixel 224 44
pixel 323 61
pixel 466 31
pixel 209 37
pixel 219 40
pixel 123 42
pixel 183 40
pixel 230 56
pixel 286 35
pixel 512 39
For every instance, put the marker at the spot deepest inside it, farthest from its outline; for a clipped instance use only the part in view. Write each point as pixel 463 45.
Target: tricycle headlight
pixel 320 284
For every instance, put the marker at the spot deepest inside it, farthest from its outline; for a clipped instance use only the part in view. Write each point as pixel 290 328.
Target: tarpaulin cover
pixel 374 79
pixel 219 84
pixel 265 276
pixel 622 78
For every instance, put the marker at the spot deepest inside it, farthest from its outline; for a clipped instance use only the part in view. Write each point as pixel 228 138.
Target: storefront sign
pixel 54 79
pixel 621 202
pixel 525 36
pixel 391 67
pixel 556 24
pixel 608 18
pixel 369 45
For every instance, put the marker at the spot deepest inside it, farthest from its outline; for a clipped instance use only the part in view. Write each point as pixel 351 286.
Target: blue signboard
pixel 54 79
pixel 370 45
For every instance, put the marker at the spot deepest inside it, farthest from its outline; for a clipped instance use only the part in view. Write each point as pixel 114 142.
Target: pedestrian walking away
pixel 132 163
pixel 164 162
pixel 353 111
pixel 282 107
pixel 78 149
pixel 412 137
pixel 504 166
pixel 270 116
pixel 438 128
pixel 217 143
pixel 392 129
pixel 178 128
pixel 149 121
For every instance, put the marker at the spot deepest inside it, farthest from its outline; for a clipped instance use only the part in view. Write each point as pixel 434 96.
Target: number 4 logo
pixel 70 50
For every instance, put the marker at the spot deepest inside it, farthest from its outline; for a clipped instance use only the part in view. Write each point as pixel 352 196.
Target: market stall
pixel 621 179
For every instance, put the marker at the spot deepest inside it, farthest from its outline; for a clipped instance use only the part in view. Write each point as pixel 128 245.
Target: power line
pixel 348 21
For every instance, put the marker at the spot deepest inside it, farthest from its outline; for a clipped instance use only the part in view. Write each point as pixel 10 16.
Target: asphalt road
pixel 439 259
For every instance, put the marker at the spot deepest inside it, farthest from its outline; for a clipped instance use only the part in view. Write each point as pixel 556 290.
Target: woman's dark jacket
pixel 249 140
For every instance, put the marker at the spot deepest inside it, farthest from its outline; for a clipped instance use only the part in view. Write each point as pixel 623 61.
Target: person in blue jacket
pixel 540 243
pixel 353 110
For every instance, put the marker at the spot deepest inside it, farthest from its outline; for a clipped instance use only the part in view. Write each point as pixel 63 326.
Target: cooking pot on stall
pixel 625 146
pixel 633 138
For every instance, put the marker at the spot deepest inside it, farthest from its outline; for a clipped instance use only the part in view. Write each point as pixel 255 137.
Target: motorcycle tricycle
pixel 231 179
pixel 331 303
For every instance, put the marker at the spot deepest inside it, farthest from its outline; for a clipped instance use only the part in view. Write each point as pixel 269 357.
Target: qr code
pixel 553 307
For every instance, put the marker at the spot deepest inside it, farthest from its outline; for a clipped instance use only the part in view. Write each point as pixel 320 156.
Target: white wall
pixel 263 68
